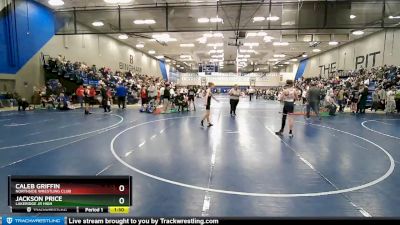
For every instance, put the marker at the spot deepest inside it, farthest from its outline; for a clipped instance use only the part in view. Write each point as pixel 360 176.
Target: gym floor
pixel 342 166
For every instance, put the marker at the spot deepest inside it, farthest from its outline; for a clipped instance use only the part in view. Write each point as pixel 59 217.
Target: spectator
pixel 121 93
pixel 390 100
pixel 143 95
pixel 330 104
pixel 340 99
pixel 22 104
pixel 313 99
pixel 375 100
pixel 80 92
pixel 105 99
pixel 362 99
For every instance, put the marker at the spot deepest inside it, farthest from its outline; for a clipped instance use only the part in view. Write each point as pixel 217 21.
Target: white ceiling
pixel 183 21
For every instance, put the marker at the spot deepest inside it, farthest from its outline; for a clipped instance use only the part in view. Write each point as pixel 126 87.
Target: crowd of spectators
pixel 354 89
pixel 105 87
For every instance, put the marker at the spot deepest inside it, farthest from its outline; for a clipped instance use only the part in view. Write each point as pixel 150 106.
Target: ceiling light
pixel 281 43
pixel 167 60
pixel 279 56
pixel 138 22
pixel 304 55
pixel 353 16
pixel 163 37
pixel 117 1
pixel 98 24
pixel 140 45
pixel 261 33
pixel 160 57
pixel 187 45
pixel 148 21
pixel 159 36
pixel 333 43
pixel 273 60
pixel 216 20
pixel 246 50
pixel 251 34
pixel 272 18
pixel 286 63
pixel 394 17
pixel 152 52
pixel 293 60
pixel 243 56
pixel 203 20
pixel 280 65
pixel 123 37
pixel 56 2
pixel 358 32
pixel 316 50
pixel 258 19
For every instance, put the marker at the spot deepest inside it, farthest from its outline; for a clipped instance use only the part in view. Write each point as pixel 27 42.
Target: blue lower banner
pixel 20 220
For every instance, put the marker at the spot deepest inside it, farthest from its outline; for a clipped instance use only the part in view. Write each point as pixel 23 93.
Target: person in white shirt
pixel 251 92
pixel 234 94
pixel 172 92
pixel 162 95
pixel 390 100
pixel 330 104
pixel 304 95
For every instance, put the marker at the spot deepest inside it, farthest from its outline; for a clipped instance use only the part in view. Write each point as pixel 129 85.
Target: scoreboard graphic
pixel 83 194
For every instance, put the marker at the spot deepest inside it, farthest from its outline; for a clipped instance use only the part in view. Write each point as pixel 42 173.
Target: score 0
pixel 121 201
pixel 121 188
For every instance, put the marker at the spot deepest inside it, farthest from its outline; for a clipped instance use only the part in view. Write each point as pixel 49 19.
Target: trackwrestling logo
pixel 33 220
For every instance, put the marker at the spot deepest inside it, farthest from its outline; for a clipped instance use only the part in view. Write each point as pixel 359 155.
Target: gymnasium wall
pixel 24 28
pixel 28 31
pixel 375 50
pixel 102 50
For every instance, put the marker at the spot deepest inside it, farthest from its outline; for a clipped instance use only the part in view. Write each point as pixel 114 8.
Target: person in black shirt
pixel 362 100
pixel 167 97
pixel 191 93
pixel 105 99
pixel 208 97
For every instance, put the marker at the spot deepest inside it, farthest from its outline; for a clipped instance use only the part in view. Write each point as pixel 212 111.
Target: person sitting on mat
pixel 330 104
